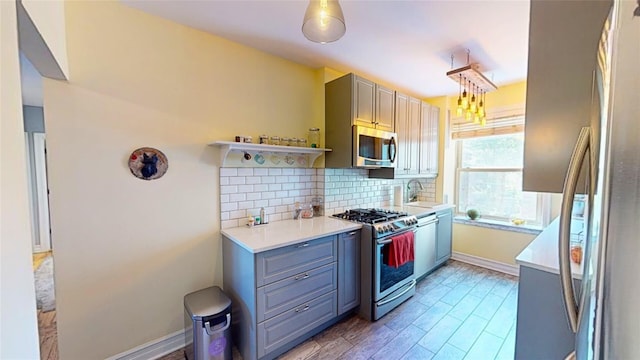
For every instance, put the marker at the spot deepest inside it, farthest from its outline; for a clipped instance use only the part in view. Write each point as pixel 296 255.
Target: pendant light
pixel 465 98
pixel 323 21
pixel 459 110
pixel 474 104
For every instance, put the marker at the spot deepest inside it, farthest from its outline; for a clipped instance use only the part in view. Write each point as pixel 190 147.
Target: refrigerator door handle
pixel 568 195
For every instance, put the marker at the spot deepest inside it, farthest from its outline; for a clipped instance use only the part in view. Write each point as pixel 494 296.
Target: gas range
pixel 384 222
pixel 382 286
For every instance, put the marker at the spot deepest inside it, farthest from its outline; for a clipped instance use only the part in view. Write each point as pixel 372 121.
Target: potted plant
pixel 473 214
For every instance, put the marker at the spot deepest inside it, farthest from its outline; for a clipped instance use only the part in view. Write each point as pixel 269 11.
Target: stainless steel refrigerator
pixel 605 311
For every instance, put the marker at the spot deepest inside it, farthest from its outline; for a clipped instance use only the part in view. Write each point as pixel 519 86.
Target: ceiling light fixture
pixel 459 111
pixel 478 85
pixel 323 21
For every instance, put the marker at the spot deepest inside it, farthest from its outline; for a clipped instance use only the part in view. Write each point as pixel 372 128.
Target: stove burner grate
pixel 370 216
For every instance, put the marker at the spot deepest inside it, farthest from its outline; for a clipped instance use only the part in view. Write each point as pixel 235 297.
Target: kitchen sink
pixel 423 204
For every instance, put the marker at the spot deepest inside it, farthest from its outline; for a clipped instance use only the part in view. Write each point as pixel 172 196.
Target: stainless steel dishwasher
pixel 425 245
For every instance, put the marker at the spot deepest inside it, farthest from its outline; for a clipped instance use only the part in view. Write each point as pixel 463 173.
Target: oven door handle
pixel 389 240
pixel 410 285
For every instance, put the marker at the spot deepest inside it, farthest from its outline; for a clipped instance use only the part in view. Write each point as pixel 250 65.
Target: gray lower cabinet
pixel 443 236
pixel 280 330
pixel 283 296
pixel 542 330
pixel 348 271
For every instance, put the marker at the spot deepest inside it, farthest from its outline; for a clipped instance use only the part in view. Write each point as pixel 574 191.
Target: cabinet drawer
pixel 285 327
pixel 282 295
pixel 291 260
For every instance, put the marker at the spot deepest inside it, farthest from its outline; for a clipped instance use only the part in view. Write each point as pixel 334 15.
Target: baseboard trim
pixel 153 349
pixel 486 263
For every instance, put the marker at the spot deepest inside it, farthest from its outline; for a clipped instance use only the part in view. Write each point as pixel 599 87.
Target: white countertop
pixel 542 252
pixel 287 232
pixel 421 207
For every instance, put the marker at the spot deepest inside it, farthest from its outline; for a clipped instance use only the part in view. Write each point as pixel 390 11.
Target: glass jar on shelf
pixel 275 140
pixel 314 137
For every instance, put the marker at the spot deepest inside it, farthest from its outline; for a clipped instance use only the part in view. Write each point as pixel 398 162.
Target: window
pixel 489 177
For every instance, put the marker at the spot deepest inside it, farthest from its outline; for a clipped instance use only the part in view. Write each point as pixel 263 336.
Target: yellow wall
pixel 128 250
pixel 496 245
pixel 18 322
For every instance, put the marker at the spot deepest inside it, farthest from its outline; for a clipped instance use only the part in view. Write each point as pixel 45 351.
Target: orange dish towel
pixel 401 249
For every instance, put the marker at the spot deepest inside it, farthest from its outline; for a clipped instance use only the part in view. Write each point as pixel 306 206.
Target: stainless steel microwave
pixel 374 148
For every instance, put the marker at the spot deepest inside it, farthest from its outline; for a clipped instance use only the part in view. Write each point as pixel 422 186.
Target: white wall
pixel 128 250
pixel 49 20
pixel 18 323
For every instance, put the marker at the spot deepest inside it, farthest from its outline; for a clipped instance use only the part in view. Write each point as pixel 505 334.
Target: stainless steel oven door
pixel 388 278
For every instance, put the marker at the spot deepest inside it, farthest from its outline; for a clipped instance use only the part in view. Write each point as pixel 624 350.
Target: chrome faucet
pixel 414 197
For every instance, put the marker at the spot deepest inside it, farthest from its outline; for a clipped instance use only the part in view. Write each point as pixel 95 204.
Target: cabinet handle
pixel 353 233
pixel 303 245
pixel 305 308
pixel 302 276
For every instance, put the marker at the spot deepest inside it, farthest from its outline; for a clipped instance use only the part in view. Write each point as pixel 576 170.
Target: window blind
pixel 499 122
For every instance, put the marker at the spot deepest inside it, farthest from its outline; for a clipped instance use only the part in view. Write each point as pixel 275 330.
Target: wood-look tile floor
pixel 460 311
pixel 48 333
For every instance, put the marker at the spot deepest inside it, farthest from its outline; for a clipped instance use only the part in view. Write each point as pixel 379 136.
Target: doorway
pixel 38 192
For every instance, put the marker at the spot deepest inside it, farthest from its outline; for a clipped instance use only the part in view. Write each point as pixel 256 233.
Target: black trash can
pixel 208 313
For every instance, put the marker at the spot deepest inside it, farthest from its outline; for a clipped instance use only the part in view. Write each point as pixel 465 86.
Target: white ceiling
pixel 407 44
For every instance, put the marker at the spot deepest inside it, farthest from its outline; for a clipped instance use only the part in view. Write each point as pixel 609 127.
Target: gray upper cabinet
pixel 407 121
pixel 348 271
pixel 563 39
pixel 385 107
pixel 364 95
pixel 429 141
pixel 417 128
pixel 354 100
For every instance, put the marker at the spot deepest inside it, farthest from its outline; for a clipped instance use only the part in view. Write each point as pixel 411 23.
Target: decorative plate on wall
pixel 148 163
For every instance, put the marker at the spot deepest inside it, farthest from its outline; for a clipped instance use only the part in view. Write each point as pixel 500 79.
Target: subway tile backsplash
pixel 243 191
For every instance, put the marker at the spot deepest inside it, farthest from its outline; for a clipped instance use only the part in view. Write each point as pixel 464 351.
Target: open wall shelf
pixel 237 154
